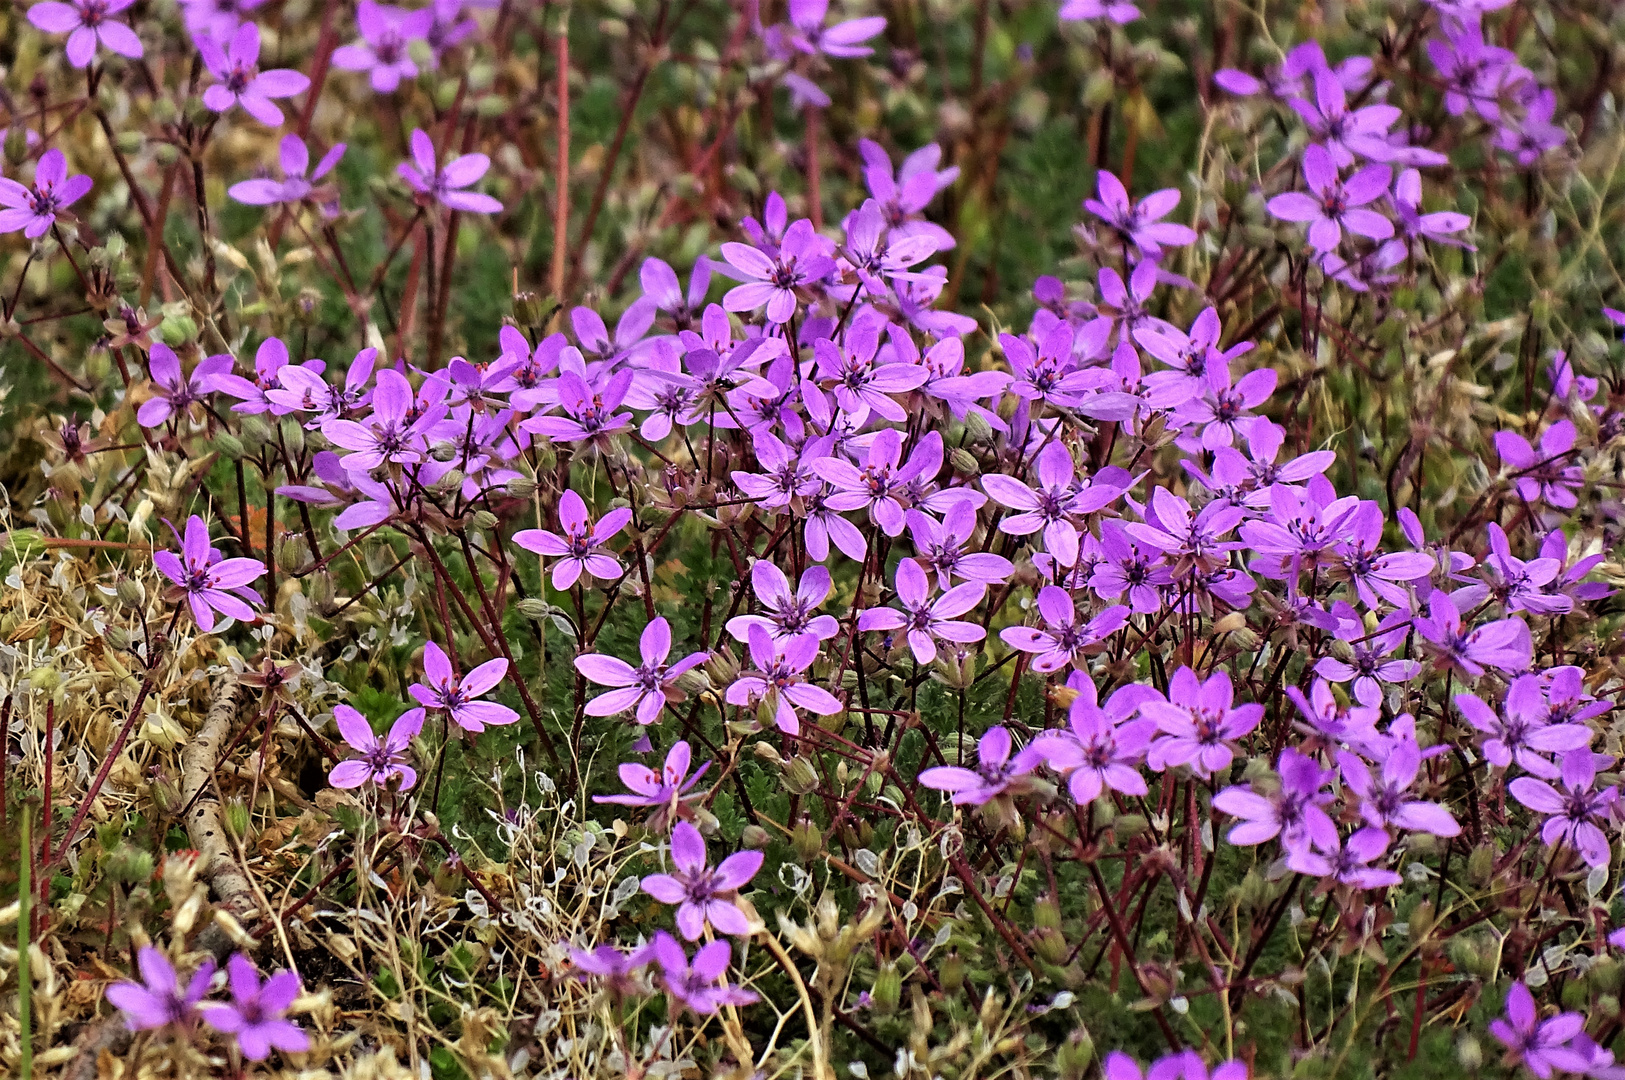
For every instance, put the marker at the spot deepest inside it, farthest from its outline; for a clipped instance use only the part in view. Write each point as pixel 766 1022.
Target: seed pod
pixel 807 840
pixel 1073 1057
pixel 520 487
pixel 977 428
pixel 532 607
pixel 292 553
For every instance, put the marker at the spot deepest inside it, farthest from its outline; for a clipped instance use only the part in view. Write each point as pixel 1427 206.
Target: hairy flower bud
pixel 951 973
pixel 800 777
pixel 886 991
pixel 131 593
pixel 754 837
pixel 520 487
pixel 807 840
pixel 484 520
pixel 964 461
pixel 1073 1057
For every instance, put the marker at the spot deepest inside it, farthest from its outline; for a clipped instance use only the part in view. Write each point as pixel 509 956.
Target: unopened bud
pixel 754 837
pixel 977 428
pixel 768 753
pixel 292 553
pixel 238 818
pixel 951 973
pixel 520 487
pixel 229 445
pixel 1073 1057
pixel 800 776
pixel 964 461
pixel 693 682
pixel 807 840
pixel 484 520
pixel 532 607
pixel 887 990
pixel 131 593
pixel 1047 913
pixel 130 865
pixel 45 679
pixel 293 436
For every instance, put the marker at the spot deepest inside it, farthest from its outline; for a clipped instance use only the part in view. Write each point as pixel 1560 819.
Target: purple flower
pixel 387 436
pixel 1522 733
pixel 592 416
pixel 255 1014
pixel 906 193
pixel 617 970
pixel 660 284
pixel 381 760
pixel 779 677
pixel 1126 568
pixel 1049 509
pixel 174 395
pixel 943 546
pixel 456 695
pixel 1294 812
pixel 209 582
pixel 444 186
pixel 924 619
pixel 1062 640
pixel 1335 204
pixel 1519 585
pixel 295 185
pixel 1438 227
pixel 996 770
pixel 1504 645
pixel 645 688
pixel 1172 526
pixel 844 39
pixel 1385 797
pixel 785 475
pixel 1530 136
pixel 790 612
pixel 87 24
pixel 1199 723
pixel 878 483
pixel 386 34
pixel 35 210
pixel 861 386
pixel 157 1000
pixel 666 790
pixel 700 987
pixel 1542 476
pixel 1120 13
pixel 579 548
pixel 1543 1045
pixel 1139 223
pixel 1374 574
pixel 1297 531
pixel 704 896
pixel 1575 815
pixel 1344 134
pixel 1351 864
pixel 772 280
pixel 1364 664
pixel 876 253
pixel 241 80
pixel 1102 747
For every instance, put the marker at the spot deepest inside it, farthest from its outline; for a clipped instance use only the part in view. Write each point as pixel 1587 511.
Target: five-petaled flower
pixel 87 24
pixel 241 80
pixel 382 759
pixel 704 895
pixel 158 1000
pixel 445 186
pixel 209 582
pixel 256 1013
pixel 579 544
pixel 35 210
pixel 645 689
pixel 445 690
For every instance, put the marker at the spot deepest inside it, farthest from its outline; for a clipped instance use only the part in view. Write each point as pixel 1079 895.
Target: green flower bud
pixel 886 991
pixel 484 520
pixel 807 840
pixel 1073 1057
pixel 520 487
pixel 951 973
pixel 754 837
pixel 230 446
pixel 800 776
pixel 131 593
pixel 964 461
pixel 130 865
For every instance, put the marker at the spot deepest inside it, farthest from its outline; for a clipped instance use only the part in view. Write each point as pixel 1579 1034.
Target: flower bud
pixel 130 865
pixel 754 837
pixel 1072 1057
pixel 801 777
pixel 722 669
pixel 886 991
pixel 238 818
pixel 230 446
pixel 1469 1053
pixel 977 428
pixel 964 461
pixel 1128 826
pixel 45 679
pixel 1047 913
pixel 520 487
pixel 532 607
pixel 16 146
pixel 951 973
pixel 292 553
pixel 807 840
pixel 769 753
pixel 1481 864
pixel 293 435
pixel 131 593
pixel 693 682
pixel 254 432
pixel 484 520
